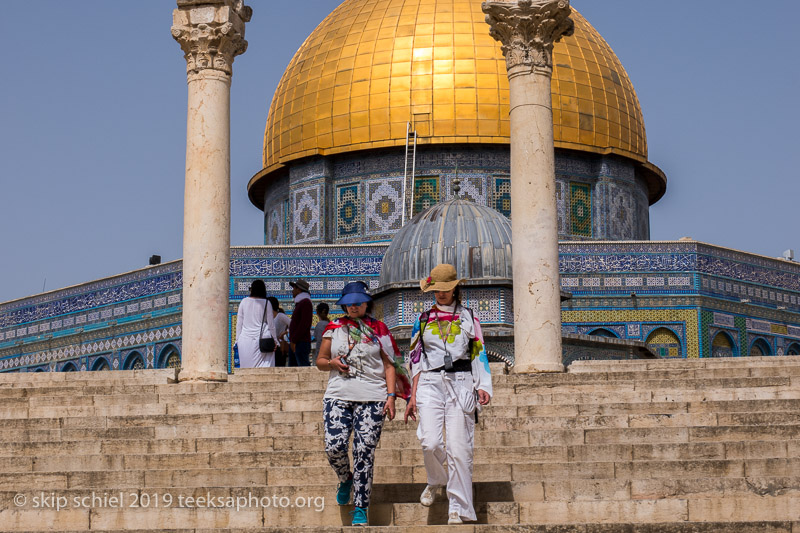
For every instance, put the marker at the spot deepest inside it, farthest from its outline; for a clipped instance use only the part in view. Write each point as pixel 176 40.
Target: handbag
pixel 265 344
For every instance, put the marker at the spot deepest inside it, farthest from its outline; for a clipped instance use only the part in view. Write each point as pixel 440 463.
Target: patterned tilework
pixel 287 220
pixel 490 305
pixel 426 193
pixel 561 206
pixel 722 344
pixel 483 173
pixel 473 187
pixel 620 222
pixel 275 229
pixel 109 347
pixel 384 207
pixel 602 330
pixel 664 343
pixel 348 211
pixel 502 195
pixel 580 209
pixel 307 214
pixel 687 318
pixel 760 347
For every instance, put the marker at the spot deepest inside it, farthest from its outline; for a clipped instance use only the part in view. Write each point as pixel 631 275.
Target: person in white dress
pixel 251 321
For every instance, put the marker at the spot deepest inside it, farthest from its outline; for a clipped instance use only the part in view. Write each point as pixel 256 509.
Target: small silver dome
pixel 474 238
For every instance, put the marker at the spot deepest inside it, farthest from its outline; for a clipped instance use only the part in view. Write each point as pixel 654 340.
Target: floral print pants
pixel 341 418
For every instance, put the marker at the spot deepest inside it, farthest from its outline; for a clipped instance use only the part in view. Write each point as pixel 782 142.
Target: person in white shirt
pixel 451 379
pixel 281 331
pixel 358 353
pixel 255 320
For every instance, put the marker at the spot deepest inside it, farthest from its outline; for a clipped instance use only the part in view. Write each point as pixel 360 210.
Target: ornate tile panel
pixel 348 211
pixel 651 319
pixel 307 214
pixel 384 206
pixel 580 210
pixel 502 195
pixel 473 187
pixel 426 193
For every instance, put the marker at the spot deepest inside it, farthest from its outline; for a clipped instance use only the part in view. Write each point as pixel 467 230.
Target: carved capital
pixel 211 33
pixel 528 29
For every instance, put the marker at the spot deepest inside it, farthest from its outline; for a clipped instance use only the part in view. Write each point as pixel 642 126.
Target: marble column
pixel 528 29
pixel 211 34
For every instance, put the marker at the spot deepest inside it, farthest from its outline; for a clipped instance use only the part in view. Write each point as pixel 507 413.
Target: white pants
pixel 446 401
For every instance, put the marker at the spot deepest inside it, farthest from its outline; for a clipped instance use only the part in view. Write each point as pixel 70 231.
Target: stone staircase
pixel 636 446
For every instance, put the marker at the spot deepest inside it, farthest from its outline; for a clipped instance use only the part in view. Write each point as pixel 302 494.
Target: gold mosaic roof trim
pixel 374 65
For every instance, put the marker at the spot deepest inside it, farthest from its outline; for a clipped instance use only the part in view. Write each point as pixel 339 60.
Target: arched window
pixel 101 364
pixel 722 346
pixel 169 357
pixel 794 349
pixel 39 370
pixel 134 361
pixel 664 343
pixel 760 348
pixel 69 367
pixel 603 332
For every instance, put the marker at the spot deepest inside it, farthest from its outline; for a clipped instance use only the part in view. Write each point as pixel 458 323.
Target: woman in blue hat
pixel 360 354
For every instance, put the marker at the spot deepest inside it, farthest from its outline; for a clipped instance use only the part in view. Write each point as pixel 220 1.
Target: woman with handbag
pixel 451 379
pixel 255 329
pixel 362 358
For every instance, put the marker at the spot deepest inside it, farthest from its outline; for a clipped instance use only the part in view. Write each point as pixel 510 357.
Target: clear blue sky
pixel 93 110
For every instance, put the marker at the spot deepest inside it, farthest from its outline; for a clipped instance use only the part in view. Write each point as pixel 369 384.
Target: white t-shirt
pixel 281 324
pixel 366 381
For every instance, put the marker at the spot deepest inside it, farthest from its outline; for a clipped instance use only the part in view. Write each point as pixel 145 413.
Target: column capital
pixel 211 33
pixel 528 29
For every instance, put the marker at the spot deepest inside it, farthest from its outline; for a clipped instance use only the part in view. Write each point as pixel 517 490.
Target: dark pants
pixel 280 358
pixel 300 355
pixel 365 421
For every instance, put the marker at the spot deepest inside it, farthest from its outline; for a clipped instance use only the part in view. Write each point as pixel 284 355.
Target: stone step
pixel 661 527
pixel 642 410
pixel 655 512
pixel 622 374
pixel 597 400
pixel 33 379
pixel 247 470
pixel 484 492
pixel 766 459
pixel 490 448
pixel 658 364
pixel 209 426
pixel 582 371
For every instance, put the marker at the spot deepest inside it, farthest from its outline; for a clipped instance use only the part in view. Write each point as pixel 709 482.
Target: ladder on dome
pixel 411 165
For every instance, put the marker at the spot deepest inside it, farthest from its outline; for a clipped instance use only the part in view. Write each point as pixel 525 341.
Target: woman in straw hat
pixel 365 375
pixel 451 377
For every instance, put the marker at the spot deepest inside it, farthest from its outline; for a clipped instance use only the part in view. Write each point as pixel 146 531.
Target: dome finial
pixel 457 184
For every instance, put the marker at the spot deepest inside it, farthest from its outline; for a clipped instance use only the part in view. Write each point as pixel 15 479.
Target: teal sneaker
pixel 359 516
pixel 343 492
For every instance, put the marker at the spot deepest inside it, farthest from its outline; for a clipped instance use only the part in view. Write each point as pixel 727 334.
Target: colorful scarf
pixel 433 319
pixel 371 330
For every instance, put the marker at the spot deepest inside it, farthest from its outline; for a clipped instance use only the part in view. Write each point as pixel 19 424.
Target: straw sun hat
pixel 443 278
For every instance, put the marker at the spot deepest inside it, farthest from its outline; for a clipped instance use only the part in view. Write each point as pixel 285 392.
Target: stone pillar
pixel 211 34
pixel 528 29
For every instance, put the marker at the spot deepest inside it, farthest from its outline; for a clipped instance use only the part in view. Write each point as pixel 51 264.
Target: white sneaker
pixel 453 518
pixel 426 498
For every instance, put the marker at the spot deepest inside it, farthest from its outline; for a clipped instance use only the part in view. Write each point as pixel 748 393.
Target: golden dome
pixel 374 65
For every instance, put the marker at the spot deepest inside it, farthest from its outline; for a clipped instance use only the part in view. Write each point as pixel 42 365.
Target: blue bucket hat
pixel 354 293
